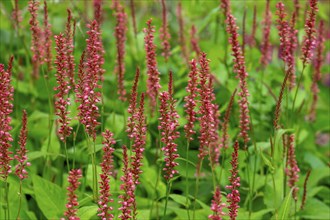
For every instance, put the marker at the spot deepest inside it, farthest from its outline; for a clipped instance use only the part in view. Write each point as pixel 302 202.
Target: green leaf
pixel 284 210
pixel 87 212
pixel 50 197
pixel 315 209
pixel 182 200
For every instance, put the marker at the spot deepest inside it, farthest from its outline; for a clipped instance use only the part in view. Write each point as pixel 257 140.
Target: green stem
pixel 187 179
pixel 168 190
pixel 66 155
pixel 298 85
pixel 95 191
pixel 199 168
pixel 20 200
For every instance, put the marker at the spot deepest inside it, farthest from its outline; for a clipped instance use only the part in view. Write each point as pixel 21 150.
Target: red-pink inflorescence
pixel 131 121
pixel 225 5
pixel 36 44
pixel 21 153
pixel 128 187
pixel 191 101
pixel 47 34
pixel 194 41
pixel 233 198
pixel 164 33
pixel 98 11
pixel 90 75
pixel 153 85
pixel 292 169
pixel 208 114
pixel 69 34
pixel 107 169
pixel 6 108
pixel 309 43
pixel 120 34
pixel 217 206
pixel 240 70
pixel 168 127
pixel 317 70
pixel 266 53
pixel 72 204
pixel 288 41
pixel 62 101
pixel 139 141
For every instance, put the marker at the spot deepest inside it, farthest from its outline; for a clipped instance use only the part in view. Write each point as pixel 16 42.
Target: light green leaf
pixel 87 212
pixel 50 197
pixel 182 200
pixel 284 210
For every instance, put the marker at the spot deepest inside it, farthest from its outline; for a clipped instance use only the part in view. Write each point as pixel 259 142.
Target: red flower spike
pixel 120 34
pixel 131 121
pixel 6 108
pixel 47 38
pixel 217 206
pixel 21 153
pixel 233 198
pixel 153 85
pixel 308 44
pixel 266 53
pixel 106 167
pixel 164 33
pixel 72 204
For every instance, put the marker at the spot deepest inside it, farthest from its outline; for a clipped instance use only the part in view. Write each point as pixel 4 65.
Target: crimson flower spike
pixel 252 40
pixel 47 38
pixel 107 168
pixel 164 33
pixel 62 101
pixel 128 198
pixel 194 41
pixel 266 53
pixel 168 127
pixel 120 34
pixel 317 70
pixel 139 141
pixel 233 198
pixel 72 204
pixel 36 46
pixel 292 169
pixel 6 108
pixel 153 85
pixel 90 75
pixel 69 35
pixel 190 100
pixel 217 206
pixel 308 44
pixel 21 153
pixel 282 26
pixel 98 11
pixel 240 70
pixel 131 121
pixel 225 5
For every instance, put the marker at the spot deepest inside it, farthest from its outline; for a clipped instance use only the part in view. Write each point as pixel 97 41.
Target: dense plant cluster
pixel 164 109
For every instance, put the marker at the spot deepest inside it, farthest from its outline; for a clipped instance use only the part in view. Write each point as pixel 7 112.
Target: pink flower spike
pixel 71 206
pixel 98 10
pixel 120 34
pixel 233 198
pixel 21 153
pixel 292 170
pixel 62 101
pixel 309 38
pixel 6 108
pixel 153 85
pixel 36 46
pixel 107 167
pixel 194 40
pixel 191 100
pixel 217 206
pixel 16 15
pixel 128 187
pixel 168 127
